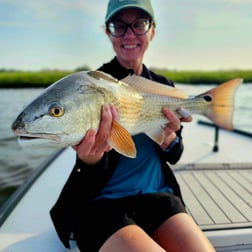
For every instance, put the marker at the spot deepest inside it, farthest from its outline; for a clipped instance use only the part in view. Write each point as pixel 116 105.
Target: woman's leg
pixel 131 238
pixel 180 233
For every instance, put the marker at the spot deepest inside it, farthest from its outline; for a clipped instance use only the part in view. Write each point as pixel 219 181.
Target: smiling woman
pixel 124 194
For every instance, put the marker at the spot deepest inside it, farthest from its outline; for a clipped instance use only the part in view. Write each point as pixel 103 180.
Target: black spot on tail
pixel 207 98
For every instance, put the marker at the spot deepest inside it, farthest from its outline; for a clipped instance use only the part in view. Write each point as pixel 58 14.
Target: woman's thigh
pixel 181 233
pixel 131 238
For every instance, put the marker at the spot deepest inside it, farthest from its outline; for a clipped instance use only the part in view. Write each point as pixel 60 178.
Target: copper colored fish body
pixel 64 112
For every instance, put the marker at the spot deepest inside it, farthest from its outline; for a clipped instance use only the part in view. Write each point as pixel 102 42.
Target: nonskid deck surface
pixel 218 198
pixel 216 186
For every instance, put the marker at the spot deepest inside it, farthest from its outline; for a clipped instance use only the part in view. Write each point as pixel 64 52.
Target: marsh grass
pixel 20 79
pixel 205 77
pixel 30 79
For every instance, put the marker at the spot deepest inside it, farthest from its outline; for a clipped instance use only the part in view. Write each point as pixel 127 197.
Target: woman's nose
pixel 129 32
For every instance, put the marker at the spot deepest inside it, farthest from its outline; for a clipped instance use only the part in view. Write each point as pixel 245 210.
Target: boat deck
pixel 216 187
pixel 218 198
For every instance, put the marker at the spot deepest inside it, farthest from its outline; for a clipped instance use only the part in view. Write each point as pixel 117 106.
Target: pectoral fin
pixel 121 140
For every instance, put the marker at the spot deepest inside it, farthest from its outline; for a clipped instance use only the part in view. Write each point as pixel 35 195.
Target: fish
pixel 64 111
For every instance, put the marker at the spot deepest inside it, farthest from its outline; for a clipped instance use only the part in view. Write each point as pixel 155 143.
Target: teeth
pixel 130 46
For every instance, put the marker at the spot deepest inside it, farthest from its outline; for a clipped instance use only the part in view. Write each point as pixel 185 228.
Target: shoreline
pixel 42 79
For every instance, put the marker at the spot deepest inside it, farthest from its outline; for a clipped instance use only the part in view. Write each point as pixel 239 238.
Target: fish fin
pixel 121 140
pixel 99 75
pixel 142 84
pixel 221 106
pixel 157 135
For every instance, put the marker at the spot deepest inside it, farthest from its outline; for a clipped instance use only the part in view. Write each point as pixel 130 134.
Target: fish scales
pixel 151 113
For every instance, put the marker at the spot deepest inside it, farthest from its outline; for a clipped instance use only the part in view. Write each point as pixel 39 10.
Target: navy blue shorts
pixel 101 218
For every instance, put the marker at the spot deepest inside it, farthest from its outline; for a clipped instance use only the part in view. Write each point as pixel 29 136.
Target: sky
pixel 67 34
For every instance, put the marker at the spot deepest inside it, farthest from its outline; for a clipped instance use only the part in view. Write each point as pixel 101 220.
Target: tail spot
pixel 207 98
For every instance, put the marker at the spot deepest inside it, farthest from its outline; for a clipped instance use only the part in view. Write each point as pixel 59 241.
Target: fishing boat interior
pixel 214 173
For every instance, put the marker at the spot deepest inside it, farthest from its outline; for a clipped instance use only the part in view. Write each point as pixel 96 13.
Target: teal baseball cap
pixel 114 6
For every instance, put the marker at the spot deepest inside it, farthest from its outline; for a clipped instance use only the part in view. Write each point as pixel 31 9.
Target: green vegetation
pixel 18 79
pixel 30 79
pixel 205 77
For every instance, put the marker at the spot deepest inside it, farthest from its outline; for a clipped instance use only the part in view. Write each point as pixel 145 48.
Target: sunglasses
pixel 139 27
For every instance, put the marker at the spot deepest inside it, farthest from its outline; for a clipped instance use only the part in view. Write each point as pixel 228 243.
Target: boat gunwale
pixel 237 131
pixel 16 197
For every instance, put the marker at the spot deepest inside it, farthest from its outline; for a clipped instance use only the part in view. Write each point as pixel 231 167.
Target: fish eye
pixel 56 110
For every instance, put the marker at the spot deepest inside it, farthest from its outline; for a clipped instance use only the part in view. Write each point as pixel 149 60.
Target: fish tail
pixel 221 103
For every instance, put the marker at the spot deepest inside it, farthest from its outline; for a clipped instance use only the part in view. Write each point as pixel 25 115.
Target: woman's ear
pixel 153 31
pixel 107 31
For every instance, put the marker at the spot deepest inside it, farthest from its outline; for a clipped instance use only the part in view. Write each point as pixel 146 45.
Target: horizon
pixel 209 35
pixel 80 68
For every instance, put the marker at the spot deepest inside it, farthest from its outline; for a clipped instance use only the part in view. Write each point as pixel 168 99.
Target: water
pixel 16 163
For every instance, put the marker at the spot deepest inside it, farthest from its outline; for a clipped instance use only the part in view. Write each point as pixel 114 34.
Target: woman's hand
pixel 92 147
pixel 174 124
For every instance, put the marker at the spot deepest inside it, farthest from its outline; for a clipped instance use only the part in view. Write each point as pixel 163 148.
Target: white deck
pixel 216 189
pixel 29 227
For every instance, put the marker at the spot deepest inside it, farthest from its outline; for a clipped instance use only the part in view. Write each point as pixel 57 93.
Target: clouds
pixel 49 13
pixel 66 34
pixel 52 8
pixel 49 34
pixel 204 34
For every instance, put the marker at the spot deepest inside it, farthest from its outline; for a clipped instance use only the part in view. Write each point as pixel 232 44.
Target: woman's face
pixel 130 48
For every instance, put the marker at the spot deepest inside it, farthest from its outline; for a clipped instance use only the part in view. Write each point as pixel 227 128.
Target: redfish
pixel 64 112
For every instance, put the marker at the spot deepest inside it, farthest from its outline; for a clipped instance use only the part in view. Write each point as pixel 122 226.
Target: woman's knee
pixel 131 238
pixel 181 233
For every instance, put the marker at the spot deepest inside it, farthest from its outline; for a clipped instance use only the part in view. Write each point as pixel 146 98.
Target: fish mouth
pixel 31 139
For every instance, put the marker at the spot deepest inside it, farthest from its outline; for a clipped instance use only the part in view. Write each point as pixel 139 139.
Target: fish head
pixel 61 115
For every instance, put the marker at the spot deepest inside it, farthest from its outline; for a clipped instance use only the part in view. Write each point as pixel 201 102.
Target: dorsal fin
pixel 101 75
pixel 144 85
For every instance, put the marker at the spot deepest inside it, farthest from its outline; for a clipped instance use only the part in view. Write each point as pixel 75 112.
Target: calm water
pixel 16 163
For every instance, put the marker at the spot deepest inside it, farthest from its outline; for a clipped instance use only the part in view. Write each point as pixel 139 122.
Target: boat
pixel 215 175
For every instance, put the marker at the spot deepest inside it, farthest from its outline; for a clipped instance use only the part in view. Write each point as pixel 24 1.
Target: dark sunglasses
pixel 140 26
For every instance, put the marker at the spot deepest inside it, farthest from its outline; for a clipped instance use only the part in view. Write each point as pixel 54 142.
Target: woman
pixel 114 203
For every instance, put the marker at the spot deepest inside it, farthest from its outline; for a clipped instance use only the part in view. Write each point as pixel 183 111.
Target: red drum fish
pixel 64 111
